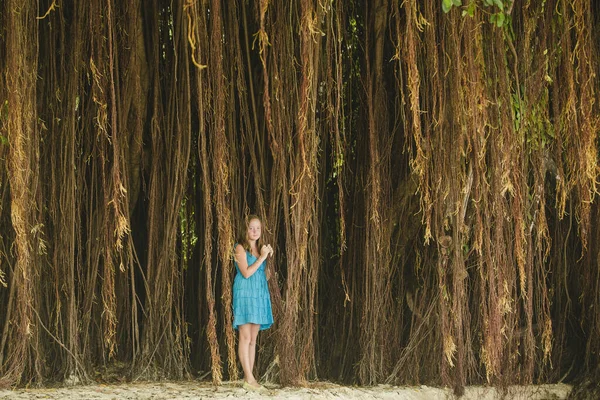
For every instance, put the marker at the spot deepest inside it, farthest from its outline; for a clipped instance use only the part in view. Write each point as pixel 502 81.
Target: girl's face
pixel 254 229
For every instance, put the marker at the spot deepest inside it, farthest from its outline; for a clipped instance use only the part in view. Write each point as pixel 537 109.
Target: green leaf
pixel 3 140
pixel 471 8
pixel 500 20
pixel 457 3
pixel 500 4
pixel 446 5
pixel 488 2
pixel 493 18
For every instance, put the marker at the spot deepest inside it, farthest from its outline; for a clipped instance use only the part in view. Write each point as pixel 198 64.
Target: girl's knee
pixel 245 339
pixel 245 336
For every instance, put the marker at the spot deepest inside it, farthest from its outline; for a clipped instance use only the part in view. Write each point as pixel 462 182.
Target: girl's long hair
pixel 243 233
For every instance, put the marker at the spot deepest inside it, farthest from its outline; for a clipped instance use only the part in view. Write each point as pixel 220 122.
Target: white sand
pixel 196 390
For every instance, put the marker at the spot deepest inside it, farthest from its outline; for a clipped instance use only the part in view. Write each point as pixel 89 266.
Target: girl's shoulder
pixel 238 247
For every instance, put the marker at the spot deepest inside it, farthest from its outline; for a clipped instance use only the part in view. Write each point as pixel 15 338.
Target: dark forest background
pixel 427 173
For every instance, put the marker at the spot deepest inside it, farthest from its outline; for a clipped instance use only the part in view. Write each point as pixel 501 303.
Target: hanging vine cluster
pixel 426 172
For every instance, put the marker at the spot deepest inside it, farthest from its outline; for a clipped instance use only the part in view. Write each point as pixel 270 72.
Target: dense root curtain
pixel 428 180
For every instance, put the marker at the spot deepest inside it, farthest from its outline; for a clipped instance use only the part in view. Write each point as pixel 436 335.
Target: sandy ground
pixel 232 390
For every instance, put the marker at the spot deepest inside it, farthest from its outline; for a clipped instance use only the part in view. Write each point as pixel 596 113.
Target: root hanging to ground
pixel 428 181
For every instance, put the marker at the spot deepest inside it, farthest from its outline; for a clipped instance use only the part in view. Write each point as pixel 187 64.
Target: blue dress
pixel 251 297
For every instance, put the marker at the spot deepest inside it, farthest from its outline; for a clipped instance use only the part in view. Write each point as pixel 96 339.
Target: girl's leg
pixel 243 351
pixel 254 328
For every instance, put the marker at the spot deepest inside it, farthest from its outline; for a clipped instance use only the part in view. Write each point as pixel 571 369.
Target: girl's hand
pixel 264 251
pixel 270 249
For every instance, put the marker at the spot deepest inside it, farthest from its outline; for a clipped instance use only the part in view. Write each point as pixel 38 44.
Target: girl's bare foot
pixel 254 386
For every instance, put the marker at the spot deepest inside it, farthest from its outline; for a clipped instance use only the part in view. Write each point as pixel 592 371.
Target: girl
pixel 251 299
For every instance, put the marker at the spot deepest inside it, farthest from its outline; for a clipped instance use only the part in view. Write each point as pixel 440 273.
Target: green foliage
pixel 447 4
pixel 498 16
pixel 469 10
pixel 498 19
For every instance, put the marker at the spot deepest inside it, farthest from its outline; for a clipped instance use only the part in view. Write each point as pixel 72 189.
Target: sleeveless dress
pixel 251 297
